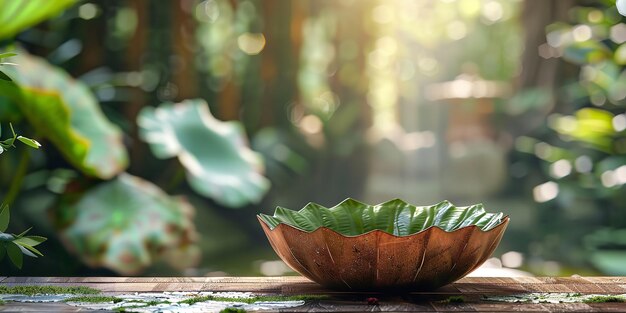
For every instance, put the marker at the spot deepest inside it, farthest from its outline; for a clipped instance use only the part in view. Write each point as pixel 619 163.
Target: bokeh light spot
pixel 251 43
pixel 88 11
pixel 545 192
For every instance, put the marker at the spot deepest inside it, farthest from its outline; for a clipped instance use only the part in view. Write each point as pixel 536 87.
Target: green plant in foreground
pixel 10 142
pixel 16 245
pixel 40 290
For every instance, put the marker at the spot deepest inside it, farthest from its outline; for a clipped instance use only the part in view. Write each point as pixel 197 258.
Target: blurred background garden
pixel 516 104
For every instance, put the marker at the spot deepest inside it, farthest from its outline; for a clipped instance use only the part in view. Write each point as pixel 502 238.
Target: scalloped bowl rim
pixel 505 218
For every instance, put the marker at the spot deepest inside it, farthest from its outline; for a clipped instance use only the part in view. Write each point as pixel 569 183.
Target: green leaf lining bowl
pixel 392 245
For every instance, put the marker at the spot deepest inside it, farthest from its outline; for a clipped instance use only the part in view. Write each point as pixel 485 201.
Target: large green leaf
pixel 65 112
pixel 215 154
pixel 125 223
pixel 396 217
pixel 17 15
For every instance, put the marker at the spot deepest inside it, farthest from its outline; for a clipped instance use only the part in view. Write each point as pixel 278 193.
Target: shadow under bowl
pixel 378 260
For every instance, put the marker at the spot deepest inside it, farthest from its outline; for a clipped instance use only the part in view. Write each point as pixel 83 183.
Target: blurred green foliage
pixel 18 15
pixel 584 146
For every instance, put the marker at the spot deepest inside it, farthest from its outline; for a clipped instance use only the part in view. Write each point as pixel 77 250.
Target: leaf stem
pixel 16 185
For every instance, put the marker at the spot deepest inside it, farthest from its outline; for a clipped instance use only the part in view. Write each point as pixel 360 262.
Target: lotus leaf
pixel 396 217
pixel 215 154
pixel 123 224
pixel 17 15
pixel 64 111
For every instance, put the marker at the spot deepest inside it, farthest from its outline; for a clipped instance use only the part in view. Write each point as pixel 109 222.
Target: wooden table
pixel 473 289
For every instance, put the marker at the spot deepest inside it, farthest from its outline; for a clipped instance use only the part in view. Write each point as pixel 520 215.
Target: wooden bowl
pixel 378 260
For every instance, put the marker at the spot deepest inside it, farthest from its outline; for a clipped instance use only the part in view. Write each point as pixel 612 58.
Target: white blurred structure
pixel 493 268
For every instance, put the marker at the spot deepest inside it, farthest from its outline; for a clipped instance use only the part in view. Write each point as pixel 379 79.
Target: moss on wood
pixel 603 299
pixel 94 299
pixel 254 299
pixel 233 310
pixel 454 299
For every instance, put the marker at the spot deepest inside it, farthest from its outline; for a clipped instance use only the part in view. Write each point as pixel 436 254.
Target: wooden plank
pixel 131 287
pixel 607 307
pixel 487 280
pixel 609 288
pixel 453 307
pixel 495 289
pixel 224 280
pixel 547 288
pixel 606 280
pixel 472 289
pixel 509 307
pixel 587 288
pixel 299 285
pixel 353 306
pixel 40 307
pixel 568 307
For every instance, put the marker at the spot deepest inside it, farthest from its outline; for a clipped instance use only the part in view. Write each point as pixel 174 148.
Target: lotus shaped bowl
pixel 392 245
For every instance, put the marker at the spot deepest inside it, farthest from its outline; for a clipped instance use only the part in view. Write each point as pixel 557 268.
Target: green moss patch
pixel 603 299
pixel 94 299
pixel 47 290
pixel 155 302
pixel 254 299
pixel 140 304
pixel 128 308
pixel 194 300
pixel 454 299
pixel 233 310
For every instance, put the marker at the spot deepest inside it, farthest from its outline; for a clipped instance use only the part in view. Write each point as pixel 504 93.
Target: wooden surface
pixel 472 288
